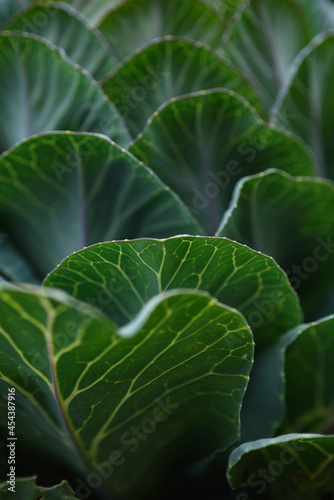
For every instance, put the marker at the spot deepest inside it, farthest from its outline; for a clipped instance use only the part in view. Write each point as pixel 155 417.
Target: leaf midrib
pixel 51 317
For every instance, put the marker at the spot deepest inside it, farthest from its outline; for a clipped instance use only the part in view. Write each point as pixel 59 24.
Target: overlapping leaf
pixel 138 22
pixel 306 103
pixel 119 277
pixel 260 46
pixel 289 466
pixel 84 387
pixel 303 244
pixel 63 26
pixel 139 402
pixel 292 379
pixel 165 69
pixel 77 189
pixel 41 90
pixel 309 373
pixel 202 144
pixel 295 464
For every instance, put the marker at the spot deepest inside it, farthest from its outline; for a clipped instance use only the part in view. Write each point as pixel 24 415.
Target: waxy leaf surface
pixel 63 26
pixel 306 103
pixel 92 393
pixel 165 69
pixel 138 22
pixel 262 49
pixel 202 144
pixel 120 276
pixel 291 219
pixel 62 191
pixel 41 90
pixel 289 466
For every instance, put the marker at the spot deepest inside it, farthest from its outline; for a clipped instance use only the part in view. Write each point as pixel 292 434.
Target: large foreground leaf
pixel 28 490
pixel 202 144
pixel 309 375
pixel 306 103
pixel 41 90
pixel 290 466
pixel 138 22
pixel 165 69
pixel 62 26
pixel 124 400
pixel 260 46
pixel 120 276
pixel 261 217
pixel 73 190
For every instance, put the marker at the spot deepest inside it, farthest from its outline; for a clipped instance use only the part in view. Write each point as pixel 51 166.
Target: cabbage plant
pixel 167 249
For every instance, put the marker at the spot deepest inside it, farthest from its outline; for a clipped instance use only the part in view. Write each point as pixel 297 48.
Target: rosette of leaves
pixel 166 227
pixel 163 336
